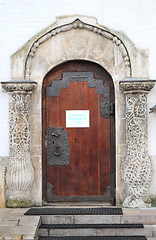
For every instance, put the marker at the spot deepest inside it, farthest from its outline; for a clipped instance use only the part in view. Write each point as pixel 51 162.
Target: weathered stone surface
pixel 146 231
pixel 14 225
pixel 19 230
pixel 25 203
pixel 43 232
pixel 30 220
pixel 20 173
pixel 8 223
pixel 137 164
pixel 82 46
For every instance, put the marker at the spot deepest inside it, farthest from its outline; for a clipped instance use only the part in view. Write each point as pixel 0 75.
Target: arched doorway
pixel 71 38
pixel 78 133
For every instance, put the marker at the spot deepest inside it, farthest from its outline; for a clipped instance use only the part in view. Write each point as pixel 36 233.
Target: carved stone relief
pixel 76 25
pixel 137 164
pixel 20 173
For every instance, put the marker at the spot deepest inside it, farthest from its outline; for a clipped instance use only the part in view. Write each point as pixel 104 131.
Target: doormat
pixel 94 238
pixel 74 211
pixel 79 226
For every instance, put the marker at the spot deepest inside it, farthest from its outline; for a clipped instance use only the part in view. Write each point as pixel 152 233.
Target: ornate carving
pixel 137 85
pixel 20 173
pixel 19 122
pixel 19 86
pixel 137 164
pixel 76 24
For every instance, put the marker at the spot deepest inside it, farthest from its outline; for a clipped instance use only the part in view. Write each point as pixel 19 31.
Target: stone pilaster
pixel 137 164
pixel 20 172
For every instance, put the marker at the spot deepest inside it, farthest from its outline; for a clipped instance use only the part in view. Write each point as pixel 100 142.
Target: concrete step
pixel 97 230
pixel 69 226
pixel 147 219
pixel 142 216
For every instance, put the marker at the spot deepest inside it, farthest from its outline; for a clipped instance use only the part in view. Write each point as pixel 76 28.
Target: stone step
pixel 90 214
pixel 97 230
pixel 66 224
pixel 146 219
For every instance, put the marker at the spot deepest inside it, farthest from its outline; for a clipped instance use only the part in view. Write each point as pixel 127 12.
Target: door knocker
pixel 57 150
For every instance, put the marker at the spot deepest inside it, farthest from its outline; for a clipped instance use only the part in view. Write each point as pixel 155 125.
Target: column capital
pixel 133 85
pixel 19 86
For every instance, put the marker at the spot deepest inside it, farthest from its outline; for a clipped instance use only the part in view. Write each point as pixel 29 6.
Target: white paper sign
pixel 77 119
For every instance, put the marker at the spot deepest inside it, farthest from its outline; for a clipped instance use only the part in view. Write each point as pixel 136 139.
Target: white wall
pixel 21 19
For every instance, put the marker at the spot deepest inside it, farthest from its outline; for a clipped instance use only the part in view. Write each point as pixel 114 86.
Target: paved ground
pixel 14 225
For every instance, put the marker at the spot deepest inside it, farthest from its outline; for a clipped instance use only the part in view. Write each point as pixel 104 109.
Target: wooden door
pixel 78 161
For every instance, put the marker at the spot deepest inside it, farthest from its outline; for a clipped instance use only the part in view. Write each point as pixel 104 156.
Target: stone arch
pixel 74 38
pixel 111 56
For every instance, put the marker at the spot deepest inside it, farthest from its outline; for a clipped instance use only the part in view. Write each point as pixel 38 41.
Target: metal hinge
pixel 112 108
pixel 46 141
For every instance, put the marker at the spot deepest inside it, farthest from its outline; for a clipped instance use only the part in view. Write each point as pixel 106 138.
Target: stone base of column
pixel 19 199
pixel 136 203
pixel 19 203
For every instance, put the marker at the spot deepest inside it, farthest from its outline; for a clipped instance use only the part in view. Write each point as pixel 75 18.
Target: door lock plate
pixel 57 145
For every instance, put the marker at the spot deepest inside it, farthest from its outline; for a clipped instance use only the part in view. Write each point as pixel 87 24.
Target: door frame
pixel 59 47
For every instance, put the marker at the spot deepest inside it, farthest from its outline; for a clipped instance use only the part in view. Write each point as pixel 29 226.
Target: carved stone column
pixel 137 164
pixel 20 172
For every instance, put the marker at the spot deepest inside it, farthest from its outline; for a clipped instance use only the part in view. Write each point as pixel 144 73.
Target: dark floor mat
pixel 95 238
pixel 79 226
pixel 74 211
